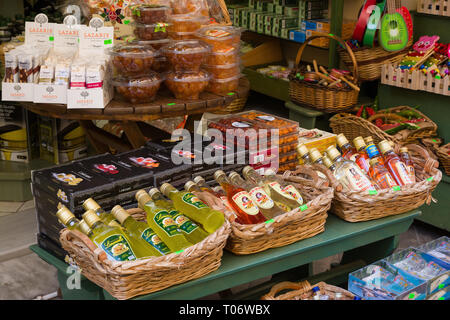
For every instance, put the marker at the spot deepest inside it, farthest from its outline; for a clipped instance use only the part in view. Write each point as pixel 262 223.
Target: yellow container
pixel 316 138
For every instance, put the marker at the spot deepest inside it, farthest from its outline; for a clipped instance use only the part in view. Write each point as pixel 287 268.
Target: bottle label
pixel 261 198
pixel 164 220
pixel 192 200
pixel 372 151
pixel 118 248
pixel 357 180
pixel 403 172
pixel 183 222
pixel 412 173
pixel 290 190
pixel 389 180
pixel 245 203
pixel 152 238
pixel 277 188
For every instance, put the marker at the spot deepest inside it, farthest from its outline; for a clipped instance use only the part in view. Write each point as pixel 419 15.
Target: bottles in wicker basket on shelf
pixel 394 164
pixel 67 218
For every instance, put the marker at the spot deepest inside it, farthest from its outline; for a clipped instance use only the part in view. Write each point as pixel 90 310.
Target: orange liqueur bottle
pixel 347 151
pixel 363 160
pixel 394 164
pixel 380 175
pixel 240 200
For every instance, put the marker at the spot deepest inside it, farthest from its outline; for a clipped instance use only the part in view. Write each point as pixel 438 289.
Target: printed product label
pixel 372 151
pixel 183 222
pixel 261 198
pixel 266 118
pixel 412 173
pixel 357 181
pixel 238 124
pixel 277 188
pixel 152 238
pixel 245 203
pixel 403 172
pixel 117 247
pixel 217 33
pixel 290 190
pixel 164 220
pixel 192 200
pixel 389 181
pixel 70 179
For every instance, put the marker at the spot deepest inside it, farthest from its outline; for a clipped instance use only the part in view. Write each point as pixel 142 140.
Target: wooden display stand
pixel 131 116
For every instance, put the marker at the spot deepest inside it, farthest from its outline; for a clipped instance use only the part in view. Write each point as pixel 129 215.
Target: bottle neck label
pixel 357 180
pixel 164 220
pixel 261 198
pixel 183 222
pixel 244 201
pixel 372 151
pixel 152 238
pixel 192 200
pixel 118 248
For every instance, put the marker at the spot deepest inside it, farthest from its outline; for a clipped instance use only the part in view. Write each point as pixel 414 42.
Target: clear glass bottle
pixel 348 151
pixel 394 164
pixel 316 156
pixel 266 205
pixel 201 183
pixel 363 159
pixel 407 160
pixel 241 201
pixel 328 163
pixel 348 173
pixel 380 175
pixel 303 154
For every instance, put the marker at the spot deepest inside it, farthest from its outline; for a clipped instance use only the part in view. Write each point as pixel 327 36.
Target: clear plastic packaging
pixel 155 44
pixel 186 22
pixel 285 126
pixel 150 13
pixel 220 37
pixel 156 31
pixel 182 35
pixel 187 85
pixel 225 56
pixel 133 58
pixel 223 86
pixel 138 89
pixel 186 55
pixel 224 71
pixel 161 64
pixel 190 6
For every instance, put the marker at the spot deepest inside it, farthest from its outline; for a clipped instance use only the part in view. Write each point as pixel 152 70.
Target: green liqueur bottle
pixel 106 217
pixel 194 208
pixel 141 230
pixel 193 232
pixel 67 218
pixel 161 221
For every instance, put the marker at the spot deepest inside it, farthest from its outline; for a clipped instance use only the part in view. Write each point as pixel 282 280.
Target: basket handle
pixel 75 234
pixel 424 160
pixel 341 42
pixel 303 286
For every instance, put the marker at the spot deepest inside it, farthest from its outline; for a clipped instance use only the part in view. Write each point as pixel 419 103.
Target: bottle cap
pixel 64 215
pixel 315 289
pixel 166 188
pixel 391 143
pixel 189 185
pixel 218 174
pixel 372 161
pixel 327 162
pixel 315 154
pixel 341 140
pixel 119 213
pixel 90 204
pixel 233 175
pixel 84 227
pixel 142 196
pixel 338 295
pixel 403 149
pixel 368 140
pixel 302 150
pixel 199 179
pixel 384 146
pixel 247 170
pixel 91 218
pixel 359 143
pixel 152 192
pixel 333 153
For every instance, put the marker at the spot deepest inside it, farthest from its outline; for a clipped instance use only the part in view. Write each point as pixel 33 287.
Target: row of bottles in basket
pixel 363 166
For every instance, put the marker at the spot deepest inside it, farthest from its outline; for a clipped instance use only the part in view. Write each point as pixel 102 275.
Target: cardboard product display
pixel 51 246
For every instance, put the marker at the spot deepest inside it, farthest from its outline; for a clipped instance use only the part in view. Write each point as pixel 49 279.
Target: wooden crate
pixel 437 7
pixel 417 80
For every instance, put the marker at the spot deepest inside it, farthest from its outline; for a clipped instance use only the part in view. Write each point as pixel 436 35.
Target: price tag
pixel 51 38
pixel 373 192
pixel 171 104
pixel 430 179
pixel 230 93
pixel 396 188
pixel 441 286
pixel 303 207
pixel 177 252
pixel 411 296
pixel 108 41
pixel 269 221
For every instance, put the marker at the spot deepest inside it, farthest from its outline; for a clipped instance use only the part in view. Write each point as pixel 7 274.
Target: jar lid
pixel 218 32
pixel 132 50
pixel 188 17
pixel 188 76
pixel 148 79
pixel 186 47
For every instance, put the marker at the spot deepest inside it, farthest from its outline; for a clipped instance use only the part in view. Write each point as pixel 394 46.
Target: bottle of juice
pixel 192 232
pixel 406 158
pixel 112 240
pixel 141 230
pixel 372 150
pixel 67 218
pixel 363 159
pixel 348 173
pixel 242 203
pixel 106 217
pixel 194 208
pixel 348 152
pixel 161 221
pixel 266 205
pixel 380 175
pixel 303 153
pixel 394 164
pixel 284 194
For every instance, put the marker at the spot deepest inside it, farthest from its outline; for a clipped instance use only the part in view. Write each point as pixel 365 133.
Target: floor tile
pixel 27 205
pixel 10 206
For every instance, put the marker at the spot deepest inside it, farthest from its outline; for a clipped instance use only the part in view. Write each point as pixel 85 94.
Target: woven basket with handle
pixel 353 126
pixel 287 228
pixel 320 97
pixel 354 206
pixel 124 280
pixel 303 291
pixel 441 152
pixel 370 60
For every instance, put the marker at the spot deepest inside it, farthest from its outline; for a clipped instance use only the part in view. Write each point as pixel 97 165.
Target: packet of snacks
pixel 26 70
pixel 95 74
pixel 78 75
pixel 47 73
pixel 12 66
pixel 62 73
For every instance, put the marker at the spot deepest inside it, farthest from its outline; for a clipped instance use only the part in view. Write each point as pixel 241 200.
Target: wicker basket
pixel 352 126
pixel 370 60
pixel 354 206
pixel 301 223
pixel 441 153
pixel 239 103
pixel 124 280
pixel 320 97
pixel 303 291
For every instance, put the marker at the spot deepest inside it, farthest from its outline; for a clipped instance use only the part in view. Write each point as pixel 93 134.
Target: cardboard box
pixel 271 7
pixel 291 11
pixel 262 5
pixel 316 138
pixel 297 36
pixel 285 33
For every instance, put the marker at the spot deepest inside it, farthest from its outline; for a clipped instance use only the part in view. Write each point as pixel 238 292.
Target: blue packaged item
pixel 423 266
pixel 443 294
pixel 297 36
pixel 439 248
pixel 382 281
